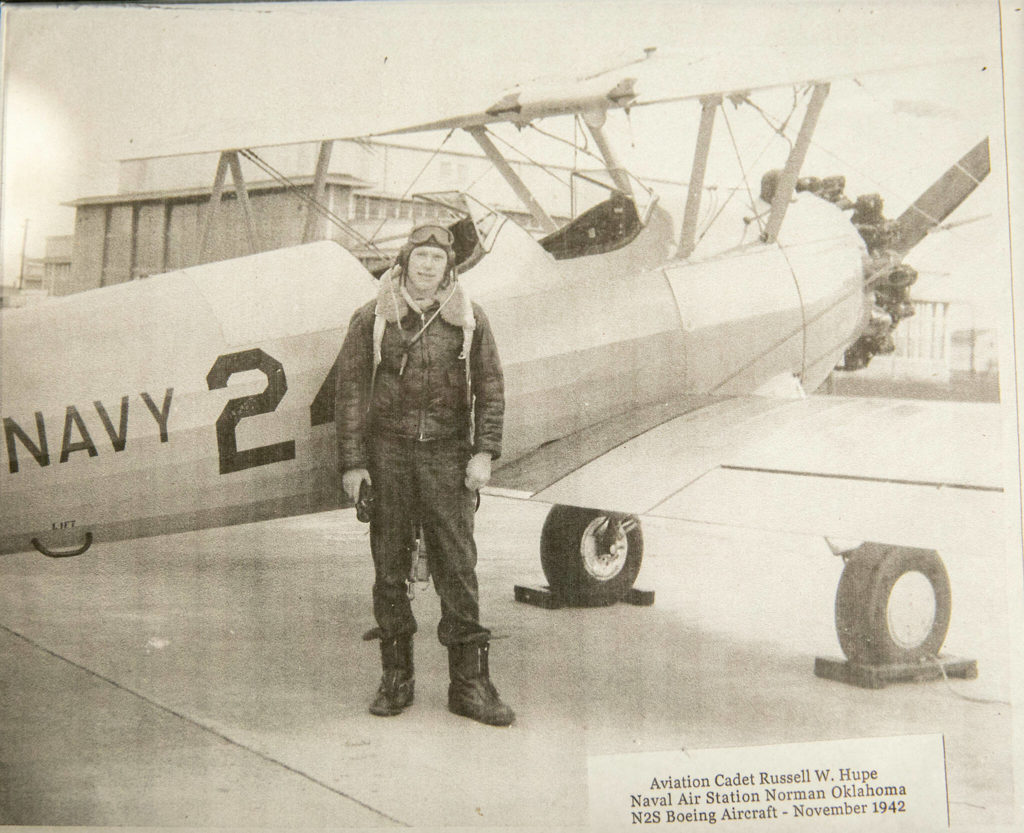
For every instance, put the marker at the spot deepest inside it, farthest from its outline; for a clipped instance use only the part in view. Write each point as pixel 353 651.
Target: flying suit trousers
pixel 417 483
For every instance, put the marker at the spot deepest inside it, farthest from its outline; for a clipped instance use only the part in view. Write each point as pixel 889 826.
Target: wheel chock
pixel 880 676
pixel 546 598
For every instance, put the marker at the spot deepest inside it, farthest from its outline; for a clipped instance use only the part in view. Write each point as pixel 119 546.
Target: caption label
pixel 896 783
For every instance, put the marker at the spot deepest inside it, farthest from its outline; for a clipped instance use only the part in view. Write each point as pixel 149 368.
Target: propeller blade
pixel 941 199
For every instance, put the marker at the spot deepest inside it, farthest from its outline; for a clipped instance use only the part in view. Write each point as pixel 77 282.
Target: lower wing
pixel 916 473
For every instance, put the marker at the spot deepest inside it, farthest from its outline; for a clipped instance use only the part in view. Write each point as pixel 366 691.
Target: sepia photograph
pixel 485 415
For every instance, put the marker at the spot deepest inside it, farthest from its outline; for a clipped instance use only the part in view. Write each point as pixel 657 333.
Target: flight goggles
pixel 431 234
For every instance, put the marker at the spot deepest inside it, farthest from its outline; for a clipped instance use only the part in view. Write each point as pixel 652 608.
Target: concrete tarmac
pixel 219 678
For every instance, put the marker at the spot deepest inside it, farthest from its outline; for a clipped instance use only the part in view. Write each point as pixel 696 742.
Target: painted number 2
pixel 231 459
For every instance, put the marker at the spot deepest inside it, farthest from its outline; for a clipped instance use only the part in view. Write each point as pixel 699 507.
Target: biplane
pixel 652 369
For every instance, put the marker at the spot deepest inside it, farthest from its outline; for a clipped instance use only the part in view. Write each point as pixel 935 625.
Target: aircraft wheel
pixel 589 556
pixel 893 605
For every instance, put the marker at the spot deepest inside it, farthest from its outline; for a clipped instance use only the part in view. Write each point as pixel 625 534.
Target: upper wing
pixel 920 473
pixel 661 77
pixel 652 77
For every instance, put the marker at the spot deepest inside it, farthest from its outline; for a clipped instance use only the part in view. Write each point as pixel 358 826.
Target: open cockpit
pixel 605 227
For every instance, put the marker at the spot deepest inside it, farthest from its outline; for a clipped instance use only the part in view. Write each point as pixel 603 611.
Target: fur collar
pixel 456 307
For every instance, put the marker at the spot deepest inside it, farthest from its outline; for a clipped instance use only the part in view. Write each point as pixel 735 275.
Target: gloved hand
pixel 478 471
pixel 352 480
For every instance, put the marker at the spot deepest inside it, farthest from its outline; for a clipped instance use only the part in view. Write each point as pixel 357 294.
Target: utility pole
pixel 21 274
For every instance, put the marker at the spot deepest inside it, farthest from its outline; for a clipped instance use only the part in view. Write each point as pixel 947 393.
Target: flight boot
pixel 396 685
pixel 471 692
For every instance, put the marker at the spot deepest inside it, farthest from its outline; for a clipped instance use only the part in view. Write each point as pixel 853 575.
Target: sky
pixel 85 86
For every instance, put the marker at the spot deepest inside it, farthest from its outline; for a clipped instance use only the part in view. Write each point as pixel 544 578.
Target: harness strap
pixel 380 325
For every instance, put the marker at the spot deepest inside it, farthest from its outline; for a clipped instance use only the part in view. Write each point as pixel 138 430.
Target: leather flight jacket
pixel 422 391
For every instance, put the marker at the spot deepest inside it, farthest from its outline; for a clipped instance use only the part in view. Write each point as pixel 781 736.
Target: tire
pixel 574 565
pixel 893 605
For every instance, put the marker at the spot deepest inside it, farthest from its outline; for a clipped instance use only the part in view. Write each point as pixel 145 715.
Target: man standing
pixel 420 408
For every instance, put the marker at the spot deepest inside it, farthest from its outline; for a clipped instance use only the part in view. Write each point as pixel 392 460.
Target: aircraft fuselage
pixel 204 397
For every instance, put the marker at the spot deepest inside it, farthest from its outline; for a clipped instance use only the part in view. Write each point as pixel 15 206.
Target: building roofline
pixel 206 191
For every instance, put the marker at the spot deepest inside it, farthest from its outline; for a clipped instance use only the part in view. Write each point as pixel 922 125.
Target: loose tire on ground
pixel 893 605
pixel 578 565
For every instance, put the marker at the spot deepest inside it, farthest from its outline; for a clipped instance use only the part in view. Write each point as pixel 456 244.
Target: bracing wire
pixel 313 203
pixel 576 148
pixel 586 151
pixel 743 172
pixel 532 161
pixel 911 203
pixel 487 170
pixel 779 130
pixel 867 176
pixel 732 193
pixel 415 179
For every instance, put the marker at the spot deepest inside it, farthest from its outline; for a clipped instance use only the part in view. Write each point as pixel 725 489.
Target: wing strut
pixel 616 170
pixel 243 201
pixel 211 210
pixel 313 218
pixel 787 181
pixel 228 159
pixel 708 108
pixel 512 178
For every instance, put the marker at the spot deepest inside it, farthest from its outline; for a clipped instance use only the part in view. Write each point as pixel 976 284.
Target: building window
pixel 369 208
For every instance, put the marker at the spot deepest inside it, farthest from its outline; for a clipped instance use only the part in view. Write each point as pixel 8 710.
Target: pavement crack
pixel 203 727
